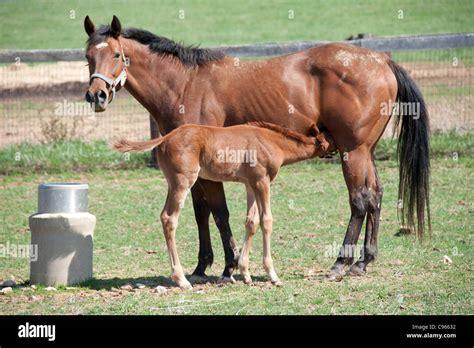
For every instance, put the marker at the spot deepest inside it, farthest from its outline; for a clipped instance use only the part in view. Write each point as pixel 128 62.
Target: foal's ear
pixel 89 26
pixel 313 130
pixel 115 27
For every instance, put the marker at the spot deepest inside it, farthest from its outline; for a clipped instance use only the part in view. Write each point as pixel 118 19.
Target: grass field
pixel 30 24
pixel 310 211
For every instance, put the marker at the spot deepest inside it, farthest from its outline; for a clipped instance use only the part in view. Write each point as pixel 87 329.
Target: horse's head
pixel 107 63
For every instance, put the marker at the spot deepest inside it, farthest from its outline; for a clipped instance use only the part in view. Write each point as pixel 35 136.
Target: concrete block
pixel 64 242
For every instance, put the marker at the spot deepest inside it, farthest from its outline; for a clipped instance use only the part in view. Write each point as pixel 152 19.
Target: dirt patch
pixel 31 119
pixel 435 70
pixel 46 74
pixel 62 89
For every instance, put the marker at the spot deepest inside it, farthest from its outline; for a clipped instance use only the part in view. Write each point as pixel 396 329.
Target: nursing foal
pixel 251 154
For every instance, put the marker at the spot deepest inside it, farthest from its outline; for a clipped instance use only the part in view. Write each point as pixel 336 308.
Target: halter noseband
pixel 121 79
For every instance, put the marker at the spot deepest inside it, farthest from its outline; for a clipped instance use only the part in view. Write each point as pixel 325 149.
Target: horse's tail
pixel 124 145
pixel 413 152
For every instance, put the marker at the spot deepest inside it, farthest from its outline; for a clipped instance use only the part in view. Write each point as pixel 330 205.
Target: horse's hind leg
pixel 354 167
pixel 251 224
pixel 374 207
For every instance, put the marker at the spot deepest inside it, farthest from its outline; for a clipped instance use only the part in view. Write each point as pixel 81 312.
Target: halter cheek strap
pixel 121 79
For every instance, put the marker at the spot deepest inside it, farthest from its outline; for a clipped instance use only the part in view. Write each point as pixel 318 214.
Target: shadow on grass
pixel 152 282
pixel 109 283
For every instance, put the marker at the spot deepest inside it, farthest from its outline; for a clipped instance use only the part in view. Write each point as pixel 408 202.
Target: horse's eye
pixel 117 55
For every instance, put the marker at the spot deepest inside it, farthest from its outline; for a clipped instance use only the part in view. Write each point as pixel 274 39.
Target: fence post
pixel 154 133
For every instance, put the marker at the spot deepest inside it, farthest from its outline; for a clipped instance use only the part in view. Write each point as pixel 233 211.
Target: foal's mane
pixel 188 55
pixel 288 133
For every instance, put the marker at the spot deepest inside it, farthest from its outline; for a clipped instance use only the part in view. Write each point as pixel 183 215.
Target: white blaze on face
pixel 101 45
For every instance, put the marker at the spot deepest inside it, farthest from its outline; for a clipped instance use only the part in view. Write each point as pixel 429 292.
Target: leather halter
pixel 121 79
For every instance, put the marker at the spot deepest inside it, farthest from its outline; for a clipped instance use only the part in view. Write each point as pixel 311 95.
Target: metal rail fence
pixel 41 91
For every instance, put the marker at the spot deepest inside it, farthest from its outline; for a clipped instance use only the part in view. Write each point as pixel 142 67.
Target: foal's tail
pixel 413 152
pixel 124 145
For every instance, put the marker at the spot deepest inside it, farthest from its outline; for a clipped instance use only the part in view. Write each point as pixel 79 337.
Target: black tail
pixel 413 152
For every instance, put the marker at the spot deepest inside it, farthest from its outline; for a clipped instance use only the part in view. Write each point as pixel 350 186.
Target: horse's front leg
pixel 201 214
pixel 215 198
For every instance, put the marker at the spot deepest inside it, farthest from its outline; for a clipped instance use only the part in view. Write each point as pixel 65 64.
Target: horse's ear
pixel 115 27
pixel 89 26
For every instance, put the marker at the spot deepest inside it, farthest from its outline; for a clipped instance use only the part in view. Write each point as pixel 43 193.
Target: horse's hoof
pixel 225 280
pixel 198 279
pixel 356 271
pixel 334 275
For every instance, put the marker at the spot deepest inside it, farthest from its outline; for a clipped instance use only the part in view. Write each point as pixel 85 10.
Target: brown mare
pixel 256 153
pixel 343 89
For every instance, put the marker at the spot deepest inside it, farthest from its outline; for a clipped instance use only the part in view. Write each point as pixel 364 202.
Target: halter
pixel 121 79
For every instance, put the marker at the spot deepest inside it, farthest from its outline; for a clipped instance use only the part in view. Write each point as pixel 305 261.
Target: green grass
pixel 443 146
pixel 443 90
pixel 309 203
pixel 48 24
pixel 63 157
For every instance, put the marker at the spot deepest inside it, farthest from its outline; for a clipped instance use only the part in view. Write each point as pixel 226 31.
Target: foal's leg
pixel 251 224
pixel 354 167
pixel 262 196
pixel 374 207
pixel 169 219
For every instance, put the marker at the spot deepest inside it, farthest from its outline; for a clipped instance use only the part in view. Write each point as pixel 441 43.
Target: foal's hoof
pixel 356 270
pixel 226 280
pixel 277 282
pixel 248 280
pixel 198 279
pixel 185 285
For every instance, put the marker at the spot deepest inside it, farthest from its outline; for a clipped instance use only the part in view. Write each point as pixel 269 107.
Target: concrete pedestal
pixel 64 242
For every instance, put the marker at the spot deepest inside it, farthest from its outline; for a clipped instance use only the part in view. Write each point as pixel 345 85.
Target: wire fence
pixel 42 92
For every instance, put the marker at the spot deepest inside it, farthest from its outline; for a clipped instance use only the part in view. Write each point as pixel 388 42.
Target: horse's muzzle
pixel 99 99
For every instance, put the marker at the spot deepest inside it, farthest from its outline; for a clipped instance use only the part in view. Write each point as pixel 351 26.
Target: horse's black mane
pixel 188 55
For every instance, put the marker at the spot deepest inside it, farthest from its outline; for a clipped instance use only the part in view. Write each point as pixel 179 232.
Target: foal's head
pixel 107 63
